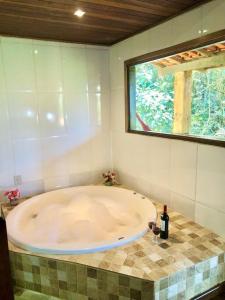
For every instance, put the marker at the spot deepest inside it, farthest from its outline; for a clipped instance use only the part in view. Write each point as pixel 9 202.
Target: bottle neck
pixel 165 209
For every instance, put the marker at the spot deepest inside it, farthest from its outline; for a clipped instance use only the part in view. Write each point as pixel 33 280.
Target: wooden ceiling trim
pixel 99 10
pixel 69 18
pixel 39 32
pixel 59 20
pixel 149 7
pixel 111 19
pixel 129 20
pixel 116 11
pixel 176 5
pixel 44 23
pixel 123 5
pixel 153 7
pixel 106 21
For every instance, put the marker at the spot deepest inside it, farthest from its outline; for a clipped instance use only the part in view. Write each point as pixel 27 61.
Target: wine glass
pixel 156 231
pixel 151 225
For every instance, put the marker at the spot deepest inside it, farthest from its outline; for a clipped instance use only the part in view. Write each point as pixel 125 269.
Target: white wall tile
pixel 125 50
pixel 79 179
pixel 54 183
pixel 141 43
pixel 32 188
pixel 210 218
pixel 79 154
pixel 52 114
pixel 143 186
pixel 101 152
pixel 23 111
pixel 77 114
pixel 129 180
pixel 213 16
pixel 119 152
pixel 74 70
pixel 6 164
pixel 161 194
pixel 161 36
pixel 183 168
pixel 55 156
pixel 4 117
pixel 97 70
pixel 129 154
pixel 116 67
pixel 14 40
pixel 138 161
pixel 183 205
pixel 99 111
pixel 187 26
pixel 159 152
pixel 28 159
pixel 117 109
pixel 2 77
pixel 48 68
pixel 45 43
pixel 211 177
pixel 18 66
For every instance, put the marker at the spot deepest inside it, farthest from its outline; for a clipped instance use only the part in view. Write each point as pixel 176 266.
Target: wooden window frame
pixel 186 46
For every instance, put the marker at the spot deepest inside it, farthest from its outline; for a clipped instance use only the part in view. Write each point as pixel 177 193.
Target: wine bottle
pixel 164 230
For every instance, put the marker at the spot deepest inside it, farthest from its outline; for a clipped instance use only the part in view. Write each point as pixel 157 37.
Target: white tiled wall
pixel 54 114
pixel 189 177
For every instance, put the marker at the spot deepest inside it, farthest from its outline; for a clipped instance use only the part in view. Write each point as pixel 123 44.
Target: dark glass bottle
pixel 164 230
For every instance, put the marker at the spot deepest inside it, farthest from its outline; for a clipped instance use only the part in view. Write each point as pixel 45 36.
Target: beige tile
pixel 210 218
pixel 183 205
pixel 183 168
pixel 211 177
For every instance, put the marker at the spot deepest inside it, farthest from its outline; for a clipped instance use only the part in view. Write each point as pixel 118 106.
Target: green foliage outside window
pixel 208 103
pixel 155 94
pixel 154 98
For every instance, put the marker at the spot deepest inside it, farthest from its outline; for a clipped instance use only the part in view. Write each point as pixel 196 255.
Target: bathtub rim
pixel 96 247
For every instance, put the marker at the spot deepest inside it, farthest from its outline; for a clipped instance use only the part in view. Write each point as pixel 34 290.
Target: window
pixel 180 94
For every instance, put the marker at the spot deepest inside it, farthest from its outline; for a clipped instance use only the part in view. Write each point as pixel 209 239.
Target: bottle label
pixel 163 225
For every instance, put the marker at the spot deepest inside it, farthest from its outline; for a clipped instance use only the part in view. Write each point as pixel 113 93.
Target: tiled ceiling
pixel 105 21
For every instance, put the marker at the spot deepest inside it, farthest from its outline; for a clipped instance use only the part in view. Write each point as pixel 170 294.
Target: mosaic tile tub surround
pixel 190 262
pixel 68 280
pixel 75 281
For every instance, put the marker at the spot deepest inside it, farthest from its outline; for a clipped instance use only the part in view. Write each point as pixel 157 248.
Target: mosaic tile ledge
pixel 68 280
pixel 189 244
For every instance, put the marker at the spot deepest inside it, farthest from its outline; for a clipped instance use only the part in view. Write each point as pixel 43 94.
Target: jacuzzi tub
pixel 80 220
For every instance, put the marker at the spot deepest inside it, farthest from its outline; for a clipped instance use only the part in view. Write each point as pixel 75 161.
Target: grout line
pixel 36 95
pixel 196 180
pixel 210 207
pixel 110 110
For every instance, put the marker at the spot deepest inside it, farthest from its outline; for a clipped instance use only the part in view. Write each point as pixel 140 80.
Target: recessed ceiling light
pixel 79 13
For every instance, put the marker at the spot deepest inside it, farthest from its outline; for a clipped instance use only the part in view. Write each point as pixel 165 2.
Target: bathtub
pixel 79 220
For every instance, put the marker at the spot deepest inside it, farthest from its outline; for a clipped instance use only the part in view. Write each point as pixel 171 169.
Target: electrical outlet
pixel 17 179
